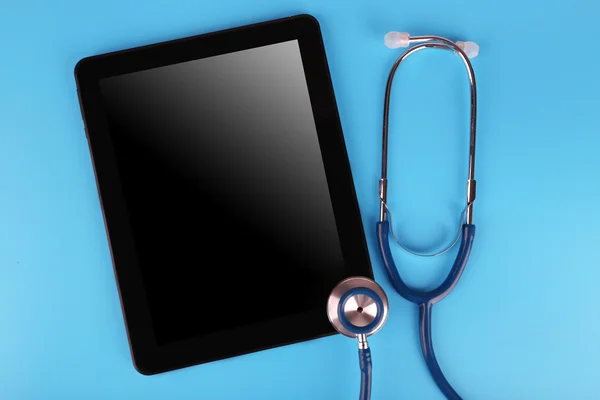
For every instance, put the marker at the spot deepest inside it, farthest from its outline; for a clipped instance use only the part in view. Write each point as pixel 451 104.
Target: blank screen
pixel 225 188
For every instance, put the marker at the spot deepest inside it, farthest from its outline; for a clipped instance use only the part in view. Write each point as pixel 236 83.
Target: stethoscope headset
pixel 357 306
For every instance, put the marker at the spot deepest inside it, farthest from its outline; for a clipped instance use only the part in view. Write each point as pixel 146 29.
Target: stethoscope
pixel 357 306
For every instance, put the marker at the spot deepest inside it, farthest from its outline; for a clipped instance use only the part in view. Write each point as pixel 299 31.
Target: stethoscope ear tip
pixel 471 49
pixel 357 306
pixel 395 40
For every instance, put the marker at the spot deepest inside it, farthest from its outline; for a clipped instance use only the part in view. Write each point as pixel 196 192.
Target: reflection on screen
pixel 225 187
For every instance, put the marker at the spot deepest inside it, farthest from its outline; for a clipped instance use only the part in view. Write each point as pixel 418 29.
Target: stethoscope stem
pixel 366 367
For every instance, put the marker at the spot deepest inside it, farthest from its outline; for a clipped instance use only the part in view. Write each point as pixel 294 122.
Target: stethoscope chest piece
pixel 357 306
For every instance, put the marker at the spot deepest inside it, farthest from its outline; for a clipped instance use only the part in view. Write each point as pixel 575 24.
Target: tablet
pixel 226 190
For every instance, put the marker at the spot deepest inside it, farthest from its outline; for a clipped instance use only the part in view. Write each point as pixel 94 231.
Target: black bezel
pixel 148 357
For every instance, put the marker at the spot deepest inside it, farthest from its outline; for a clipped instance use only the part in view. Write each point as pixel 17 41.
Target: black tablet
pixel 226 190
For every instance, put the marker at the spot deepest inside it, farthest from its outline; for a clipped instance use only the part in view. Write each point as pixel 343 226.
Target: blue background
pixel 523 322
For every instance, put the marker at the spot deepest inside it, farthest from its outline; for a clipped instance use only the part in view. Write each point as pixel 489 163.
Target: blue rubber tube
pixel 426 300
pixel 366 365
pixel 427 348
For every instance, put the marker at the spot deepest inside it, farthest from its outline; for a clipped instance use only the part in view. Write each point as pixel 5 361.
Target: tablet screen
pixel 225 188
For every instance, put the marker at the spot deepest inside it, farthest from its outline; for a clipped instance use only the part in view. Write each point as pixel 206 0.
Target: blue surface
pixel 522 323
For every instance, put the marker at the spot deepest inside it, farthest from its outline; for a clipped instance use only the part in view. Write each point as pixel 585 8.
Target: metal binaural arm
pixel 439 43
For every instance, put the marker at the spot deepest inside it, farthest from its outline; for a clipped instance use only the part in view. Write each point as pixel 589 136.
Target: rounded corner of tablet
pixel 311 20
pixel 142 367
pixel 80 67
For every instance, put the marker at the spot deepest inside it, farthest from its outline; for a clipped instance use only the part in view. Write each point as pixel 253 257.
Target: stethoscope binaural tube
pixel 426 299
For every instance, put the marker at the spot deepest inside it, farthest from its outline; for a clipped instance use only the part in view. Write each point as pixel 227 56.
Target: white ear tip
pixel 471 49
pixel 393 40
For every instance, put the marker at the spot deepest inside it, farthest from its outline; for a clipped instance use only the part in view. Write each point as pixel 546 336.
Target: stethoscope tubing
pixel 366 366
pixel 418 296
pixel 426 299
